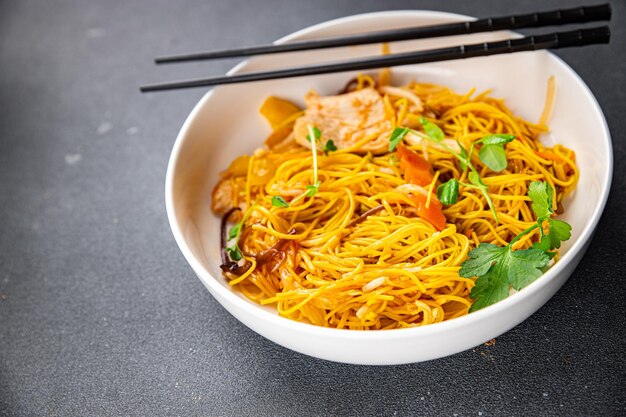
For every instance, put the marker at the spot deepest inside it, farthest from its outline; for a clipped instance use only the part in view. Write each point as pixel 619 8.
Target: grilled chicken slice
pixel 347 119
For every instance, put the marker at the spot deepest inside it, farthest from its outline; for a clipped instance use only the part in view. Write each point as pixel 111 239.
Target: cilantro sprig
pixel 499 268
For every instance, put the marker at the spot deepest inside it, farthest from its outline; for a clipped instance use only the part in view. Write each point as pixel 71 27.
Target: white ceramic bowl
pixel 225 123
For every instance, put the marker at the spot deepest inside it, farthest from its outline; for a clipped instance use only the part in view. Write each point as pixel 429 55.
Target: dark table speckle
pixel 100 315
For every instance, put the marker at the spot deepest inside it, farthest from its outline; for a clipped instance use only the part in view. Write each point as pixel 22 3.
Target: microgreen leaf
pixel 494 156
pixel 432 130
pixel 396 137
pixel 329 147
pixel 234 252
pixel 496 139
pixel 463 156
pixel 448 192
pixel 312 189
pixel 278 201
pixel 234 231
pixel 475 179
pixel 316 132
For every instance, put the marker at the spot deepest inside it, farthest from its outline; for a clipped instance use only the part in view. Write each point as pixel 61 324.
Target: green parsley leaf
pixel 489 289
pixel 480 260
pixel 234 231
pixel 396 137
pixel 497 139
pixel 278 201
pixel 558 232
pixel 316 132
pixel 313 189
pixel 432 130
pixel 499 268
pixel 494 156
pixel 234 252
pixel 524 266
pixel 448 192
pixel 329 147
pixel 541 194
pixel 544 244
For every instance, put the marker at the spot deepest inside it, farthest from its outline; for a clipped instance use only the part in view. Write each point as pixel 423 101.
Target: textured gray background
pixel 101 315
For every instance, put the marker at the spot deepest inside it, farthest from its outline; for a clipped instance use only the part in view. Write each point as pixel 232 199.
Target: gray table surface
pixel 101 315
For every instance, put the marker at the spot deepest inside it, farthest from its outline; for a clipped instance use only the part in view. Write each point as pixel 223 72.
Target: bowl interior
pixel 226 124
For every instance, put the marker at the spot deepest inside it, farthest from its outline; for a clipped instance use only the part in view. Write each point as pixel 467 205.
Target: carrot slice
pixel 433 213
pixel 415 168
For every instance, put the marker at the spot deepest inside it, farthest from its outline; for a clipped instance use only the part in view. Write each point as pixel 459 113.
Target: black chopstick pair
pixel 580 37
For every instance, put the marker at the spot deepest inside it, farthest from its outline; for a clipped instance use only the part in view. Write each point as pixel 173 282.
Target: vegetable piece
pixel 314 131
pixel 433 213
pixel 278 135
pixel 435 134
pixel 463 157
pixel 396 137
pixel 276 251
pixel 498 268
pixel 276 110
pixel 234 252
pixel 432 130
pixel 237 168
pixel 542 195
pixel 492 152
pixel 329 147
pixel 416 169
pixel 497 139
pixel 493 156
pixel 278 201
pixel 225 237
pixel 448 192
pixel 311 190
pixel 234 231
pixel 263 169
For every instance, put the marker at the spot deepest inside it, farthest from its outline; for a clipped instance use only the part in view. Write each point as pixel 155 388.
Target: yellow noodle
pixel 393 269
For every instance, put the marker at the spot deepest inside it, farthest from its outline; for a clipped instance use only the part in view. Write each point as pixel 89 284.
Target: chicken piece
pixel 222 196
pixel 347 119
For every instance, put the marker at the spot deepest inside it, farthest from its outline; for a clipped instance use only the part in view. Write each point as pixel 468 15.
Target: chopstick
pixel 580 37
pixel 582 14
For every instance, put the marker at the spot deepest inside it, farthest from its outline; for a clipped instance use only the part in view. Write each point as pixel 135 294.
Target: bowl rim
pixel 442 327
